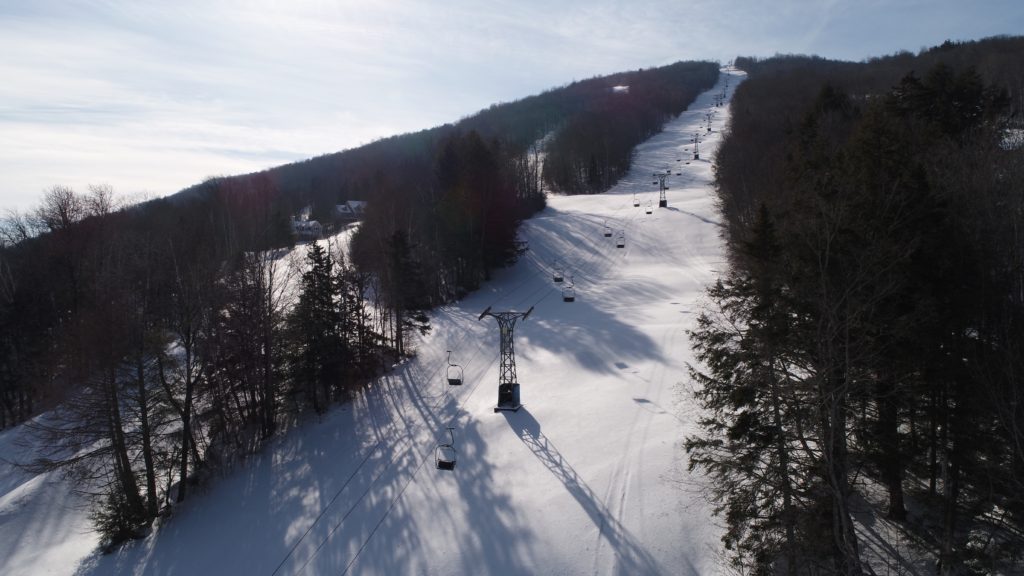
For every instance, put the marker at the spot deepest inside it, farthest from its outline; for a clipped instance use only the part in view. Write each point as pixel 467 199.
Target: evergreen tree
pixel 319 350
pixel 750 434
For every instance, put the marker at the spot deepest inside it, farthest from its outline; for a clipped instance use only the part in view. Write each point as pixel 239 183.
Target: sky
pixel 151 97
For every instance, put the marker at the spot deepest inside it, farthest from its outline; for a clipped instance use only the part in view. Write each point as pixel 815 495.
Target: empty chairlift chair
pixel 636 201
pixel 557 274
pixel 650 207
pixel 569 291
pixel 620 240
pixel 444 454
pixel 454 372
pixel 607 230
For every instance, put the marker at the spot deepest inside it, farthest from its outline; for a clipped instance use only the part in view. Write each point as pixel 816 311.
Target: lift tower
pixel 508 384
pixel 662 200
pixel 696 146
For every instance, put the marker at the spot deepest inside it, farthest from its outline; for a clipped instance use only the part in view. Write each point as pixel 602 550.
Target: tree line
pixel 592 150
pixel 867 335
pixel 165 343
pixel 622 119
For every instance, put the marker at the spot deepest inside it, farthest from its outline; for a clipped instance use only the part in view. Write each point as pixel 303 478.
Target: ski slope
pixel 589 477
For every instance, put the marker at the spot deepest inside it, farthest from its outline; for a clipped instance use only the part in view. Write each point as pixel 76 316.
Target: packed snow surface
pixel 588 477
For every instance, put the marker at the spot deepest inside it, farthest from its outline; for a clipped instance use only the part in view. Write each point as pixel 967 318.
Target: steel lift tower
pixel 662 200
pixel 508 384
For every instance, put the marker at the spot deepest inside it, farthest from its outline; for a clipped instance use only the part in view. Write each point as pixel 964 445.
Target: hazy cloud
pixel 155 96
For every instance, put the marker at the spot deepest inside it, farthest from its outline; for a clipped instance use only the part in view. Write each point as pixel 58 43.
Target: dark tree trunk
pixel 836 456
pixel 187 443
pixel 788 516
pixel 122 463
pixel 933 441
pixel 889 440
pixel 147 443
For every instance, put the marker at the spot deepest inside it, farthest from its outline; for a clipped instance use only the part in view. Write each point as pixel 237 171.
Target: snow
pixel 589 477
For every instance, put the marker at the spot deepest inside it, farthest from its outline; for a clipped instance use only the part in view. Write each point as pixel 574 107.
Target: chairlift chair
pixel 557 274
pixel 620 240
pixel 444 454
pixel 607 230
pixel 650 207
pixel 636 201
pixel 568 292
pixel 454 372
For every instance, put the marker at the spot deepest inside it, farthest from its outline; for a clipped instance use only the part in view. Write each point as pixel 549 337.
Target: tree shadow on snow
pixel 355 492
pixel 630 555
pixel 591 336
pixel 447 521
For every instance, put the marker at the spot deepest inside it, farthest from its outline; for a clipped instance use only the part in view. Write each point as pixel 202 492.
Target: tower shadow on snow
pixel 631 557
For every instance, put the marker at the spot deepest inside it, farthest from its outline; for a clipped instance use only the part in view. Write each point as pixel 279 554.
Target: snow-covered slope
pixel 589 477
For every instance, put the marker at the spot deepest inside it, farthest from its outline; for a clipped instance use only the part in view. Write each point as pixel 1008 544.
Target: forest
pixel 865 342
pixel 152 344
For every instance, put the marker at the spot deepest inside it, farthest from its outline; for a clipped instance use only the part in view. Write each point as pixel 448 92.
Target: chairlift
pixel 607 230
pixel 444 455
pixel 636 203
pixel 650 207
pixel 568 292
pixel 557 274
pixel 454 372
pixel 620 240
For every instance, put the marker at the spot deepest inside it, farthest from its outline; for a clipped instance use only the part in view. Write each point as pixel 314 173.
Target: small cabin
pixel 351 210
pixel 307 229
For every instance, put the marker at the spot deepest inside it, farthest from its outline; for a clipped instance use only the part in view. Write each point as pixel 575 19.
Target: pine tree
pixel 748 438
pixel 319 351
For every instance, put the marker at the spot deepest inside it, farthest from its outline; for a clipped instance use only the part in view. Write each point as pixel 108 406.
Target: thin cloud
pixel 148 95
